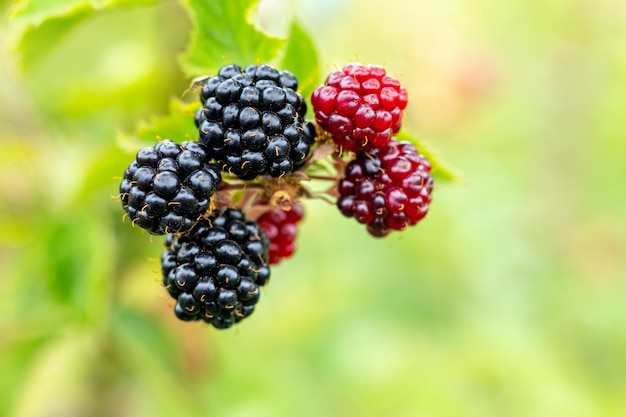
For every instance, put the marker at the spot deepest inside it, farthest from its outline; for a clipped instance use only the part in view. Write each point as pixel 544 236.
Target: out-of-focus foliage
pixel 506 300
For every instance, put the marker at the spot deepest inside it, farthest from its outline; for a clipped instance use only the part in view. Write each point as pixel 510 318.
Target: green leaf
pixel 36 12
pixel 176 125
pixel 222 33
pixel 41 25
pixel 301 59
pixel 102 174
pixel 440 170
pixel 38 41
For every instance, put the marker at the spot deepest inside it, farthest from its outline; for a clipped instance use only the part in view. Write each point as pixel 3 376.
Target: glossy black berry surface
pixel 252 121
pixel 216 270
pixel 169 186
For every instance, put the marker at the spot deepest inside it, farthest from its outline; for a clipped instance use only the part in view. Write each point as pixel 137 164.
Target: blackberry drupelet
pixel 252 121
pixel 360 106
pixel 169 186
pixel 387 189
pixel 280 227
pixel 216 270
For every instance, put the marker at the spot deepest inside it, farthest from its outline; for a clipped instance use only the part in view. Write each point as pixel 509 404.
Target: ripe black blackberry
pixel 252 121
pixel 169 186
pixel 214 272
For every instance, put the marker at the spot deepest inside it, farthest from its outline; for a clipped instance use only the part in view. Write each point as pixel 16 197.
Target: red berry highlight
pixel 360 106
pixel 387 188
pixel 280 227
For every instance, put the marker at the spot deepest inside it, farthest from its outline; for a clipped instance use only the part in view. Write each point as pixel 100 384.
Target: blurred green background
pixel 507 300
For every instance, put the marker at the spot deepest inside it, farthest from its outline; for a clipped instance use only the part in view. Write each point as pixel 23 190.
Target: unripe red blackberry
pixel 280 227
pixel 252 121
pixel 169 186
pixel 360 106
pixel 216 270
pixel 386 189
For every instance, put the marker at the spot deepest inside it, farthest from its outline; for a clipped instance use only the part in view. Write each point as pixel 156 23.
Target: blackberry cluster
pixel 386 189
pixel 280 227
pixel 214 272
pixel 169 186
pixel 252 124
pixel 360 106
pixel 252 121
